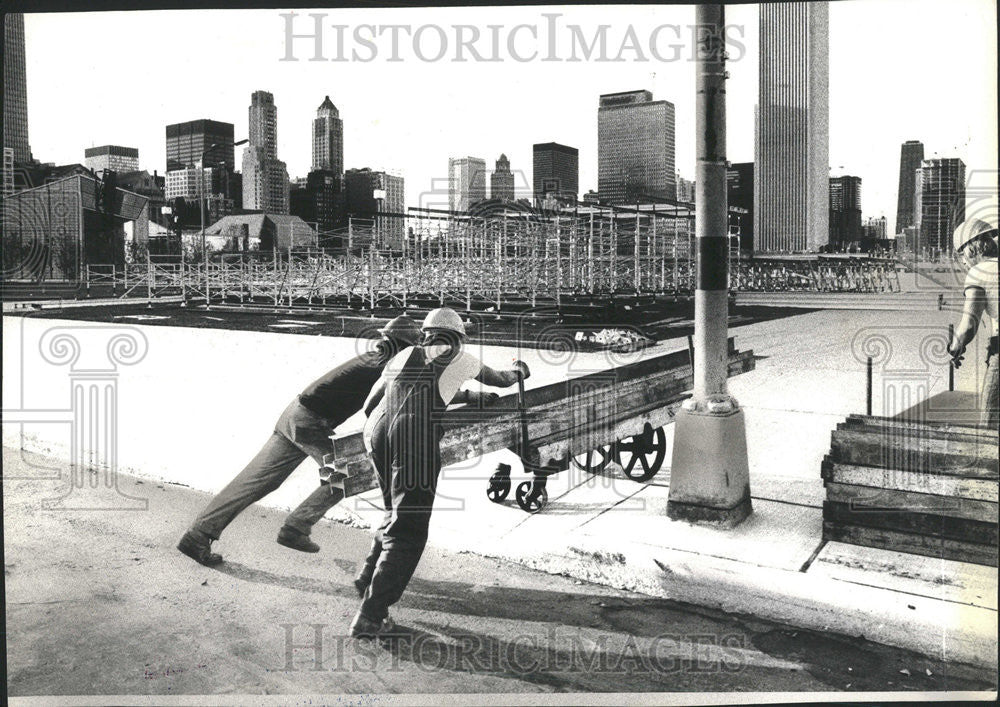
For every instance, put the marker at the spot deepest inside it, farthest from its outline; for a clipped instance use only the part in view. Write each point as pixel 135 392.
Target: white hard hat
pixel 444 318
pixel 969 230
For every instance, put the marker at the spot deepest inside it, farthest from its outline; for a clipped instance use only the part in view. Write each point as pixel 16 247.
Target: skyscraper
pixel 940 201
pixel 845 210
pixel 111 157
pixel 328 138
pixel 466 182
pixel 502 180
pixel 911 154
pixel 265 177
pixel 635 148
pixel 369 193
pixel 555 172
pixel 791 146
pixel 187 141
pixel 739 195
pixel 15 88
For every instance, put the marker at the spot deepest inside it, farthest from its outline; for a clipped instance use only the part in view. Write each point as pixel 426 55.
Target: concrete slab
pixel 930 577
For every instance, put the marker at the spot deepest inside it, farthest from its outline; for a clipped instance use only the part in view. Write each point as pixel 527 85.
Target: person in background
pixel 403 433
pixel 975 243
pixel 303 430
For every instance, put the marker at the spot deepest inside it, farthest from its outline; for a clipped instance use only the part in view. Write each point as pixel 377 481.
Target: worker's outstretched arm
pixel 474 397
pixel 972 312
pixel 503 379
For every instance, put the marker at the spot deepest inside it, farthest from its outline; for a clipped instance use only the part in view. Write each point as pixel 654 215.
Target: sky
pixel 899 70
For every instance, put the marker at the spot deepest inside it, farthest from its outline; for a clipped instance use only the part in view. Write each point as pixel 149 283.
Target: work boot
pixel 198 546
pixel 361 586
pixel 296 539
pixel 363 627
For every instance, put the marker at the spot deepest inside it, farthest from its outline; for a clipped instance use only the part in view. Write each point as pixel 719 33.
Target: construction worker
pixel 975 244
pixel 403 433
pixel 303 429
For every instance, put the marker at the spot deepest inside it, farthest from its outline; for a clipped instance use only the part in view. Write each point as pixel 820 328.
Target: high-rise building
pixel 189 183
pixel 739 195
pixel 845 211
pixel 368 194
pixel 466 182
pixel 791 146
pixel 939 201
pixel 876 228
pixel 911 154
pixel 8 171
pixel 635 148
pixel 186 142
pixel 319 199
pixel 555 173
pixel 328 139
pixel 15 88
pixel 111 157
pixel 502 181
pixel 685 190
pixel 265 177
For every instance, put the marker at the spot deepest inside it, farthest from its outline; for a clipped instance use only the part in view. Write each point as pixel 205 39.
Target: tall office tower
pixel 635 148
pixel 876 228
pixel 911 154
pixel 845 210
pixel 8 171
pixel 940 201
pixel 328 139
pixel 685 190
pixel 502 181
pixel 792 145
pixel 466 182
pixel 739 195
pixel 368 194
pixel 265 177
pixel 111 157
pixel 15 90
pixel 186 142
pixel 555 173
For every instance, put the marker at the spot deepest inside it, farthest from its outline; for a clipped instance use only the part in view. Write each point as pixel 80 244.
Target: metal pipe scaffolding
pixel 709 476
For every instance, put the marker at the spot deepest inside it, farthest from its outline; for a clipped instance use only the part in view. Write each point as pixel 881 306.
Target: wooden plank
pixel 914 453
pixel 968 433
pixel 958 582
pixel 893 500
pixel 913 481
pixel 907 542
pixel 924 524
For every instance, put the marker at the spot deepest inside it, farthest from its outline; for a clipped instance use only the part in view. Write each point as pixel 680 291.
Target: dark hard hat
pixel 403 328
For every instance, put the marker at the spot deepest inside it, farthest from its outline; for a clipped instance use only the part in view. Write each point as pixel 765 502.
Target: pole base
pixel 709 473
pixel 721 517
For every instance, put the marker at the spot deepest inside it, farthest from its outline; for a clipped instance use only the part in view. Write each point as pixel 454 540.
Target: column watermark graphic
pixel 91 357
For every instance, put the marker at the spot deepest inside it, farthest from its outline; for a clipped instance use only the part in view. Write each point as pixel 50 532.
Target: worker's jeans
pixel 298 433
pixel 406 455
pixel 990 402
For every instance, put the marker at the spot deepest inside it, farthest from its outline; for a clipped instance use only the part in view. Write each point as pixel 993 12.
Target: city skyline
pixel 383 133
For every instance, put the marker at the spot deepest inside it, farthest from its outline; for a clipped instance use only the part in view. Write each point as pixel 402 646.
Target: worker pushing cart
pixel 402 435
pixel 303 430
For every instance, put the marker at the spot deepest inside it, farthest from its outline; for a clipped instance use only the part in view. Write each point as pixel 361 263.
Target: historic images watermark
pixel 92 357
pixel 548 39
pixel 554 649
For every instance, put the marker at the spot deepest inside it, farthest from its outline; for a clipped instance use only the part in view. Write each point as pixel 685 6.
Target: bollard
pixel 868 395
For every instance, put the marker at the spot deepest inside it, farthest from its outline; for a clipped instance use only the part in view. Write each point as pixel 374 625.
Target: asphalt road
pixel 101 603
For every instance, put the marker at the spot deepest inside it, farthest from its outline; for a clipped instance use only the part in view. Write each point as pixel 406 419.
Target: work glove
pixel 486 398
pixel 956 350
pixel 522 368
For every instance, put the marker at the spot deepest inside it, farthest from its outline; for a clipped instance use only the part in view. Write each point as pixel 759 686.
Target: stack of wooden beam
pixel 564 419
pixel 919 487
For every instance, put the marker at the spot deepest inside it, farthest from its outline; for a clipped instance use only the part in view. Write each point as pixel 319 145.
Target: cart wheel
pixel 528 501
pixel 596 459
pixel 649 449
pixel 498 490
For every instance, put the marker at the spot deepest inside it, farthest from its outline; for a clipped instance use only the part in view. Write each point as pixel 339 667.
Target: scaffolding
pixel 494 261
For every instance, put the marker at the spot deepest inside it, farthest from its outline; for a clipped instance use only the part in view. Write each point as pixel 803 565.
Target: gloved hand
pixel 956 350
pixel 486 398
pixel 522 368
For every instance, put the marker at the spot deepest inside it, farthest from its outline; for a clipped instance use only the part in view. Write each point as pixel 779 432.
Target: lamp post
pixel 201 202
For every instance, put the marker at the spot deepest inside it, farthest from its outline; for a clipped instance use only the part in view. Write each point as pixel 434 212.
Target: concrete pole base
pixel 709 473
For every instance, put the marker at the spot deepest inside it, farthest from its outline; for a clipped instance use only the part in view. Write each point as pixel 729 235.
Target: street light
pixel 201 201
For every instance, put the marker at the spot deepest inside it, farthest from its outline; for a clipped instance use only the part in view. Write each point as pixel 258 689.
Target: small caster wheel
pixel 528 501
pixel 498 490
